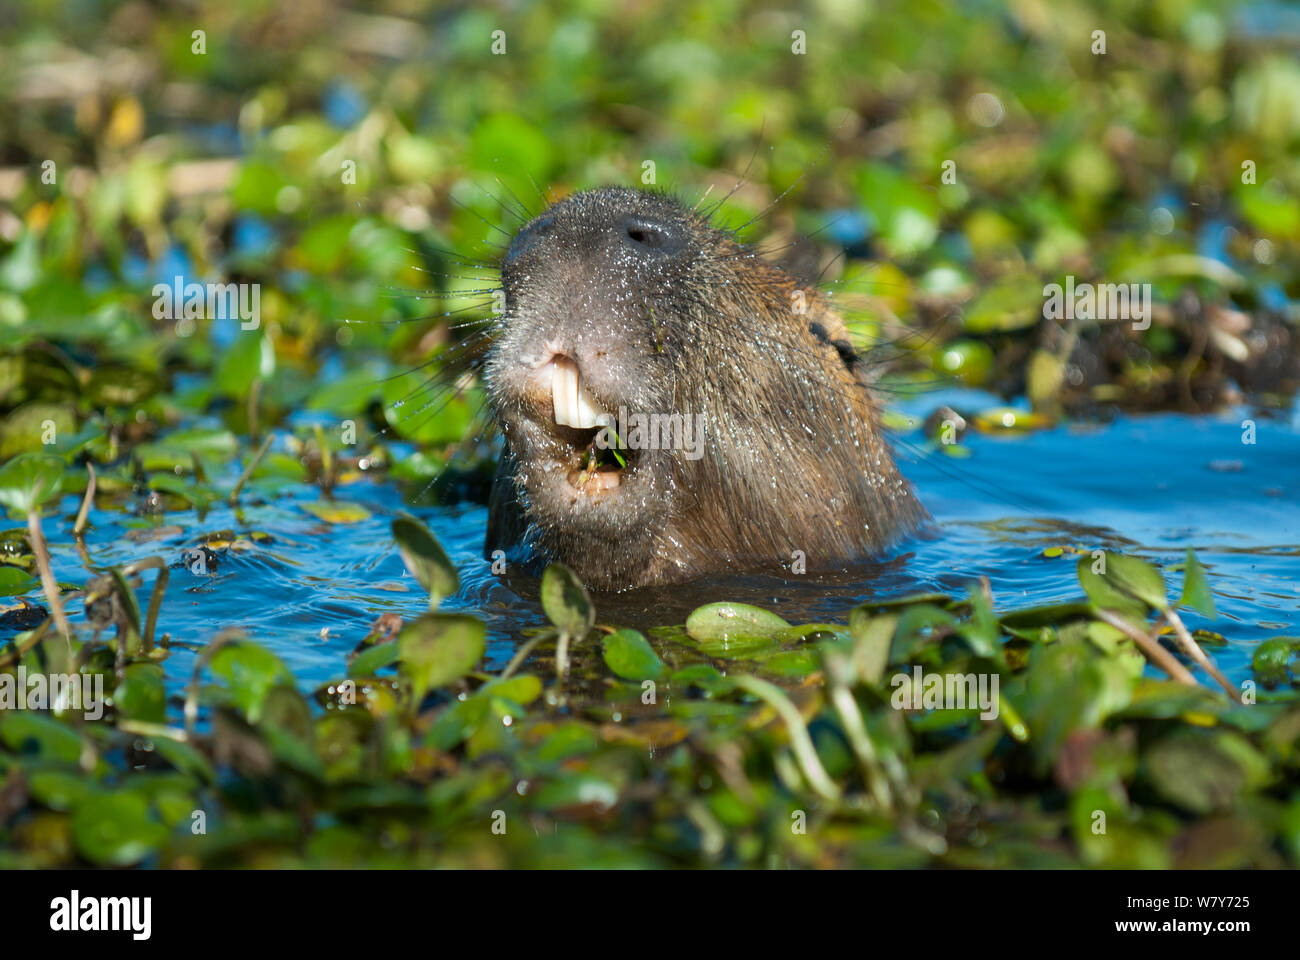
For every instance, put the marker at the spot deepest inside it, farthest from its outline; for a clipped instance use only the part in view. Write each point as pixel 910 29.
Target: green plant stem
pixel 562 655
pixel 837 671
pixel 800 742
pixel 156 597
pixel 326 463
pixel 254 395
pixel 51 586
pixel 523 652
pixel 248 470
pixel 18 650
pixel 1193 650
pixel 1156 653
pixel 192 694
pixel 145 729
pixel 79 527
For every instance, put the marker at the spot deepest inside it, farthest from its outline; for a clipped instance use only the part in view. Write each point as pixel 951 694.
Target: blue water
pixel 1150 485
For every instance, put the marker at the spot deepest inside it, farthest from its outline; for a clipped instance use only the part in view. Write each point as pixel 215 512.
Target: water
pixel 1150 485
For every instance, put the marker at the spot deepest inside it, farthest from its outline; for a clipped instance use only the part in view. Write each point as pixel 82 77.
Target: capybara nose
pixel 650 237
pixel 529 237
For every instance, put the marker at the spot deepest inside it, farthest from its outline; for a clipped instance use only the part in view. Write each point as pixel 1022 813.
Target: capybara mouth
pixel 572 405
pixel 591 473
pixel 575 424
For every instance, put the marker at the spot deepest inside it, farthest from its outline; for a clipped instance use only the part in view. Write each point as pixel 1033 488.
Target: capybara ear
pixel 829 327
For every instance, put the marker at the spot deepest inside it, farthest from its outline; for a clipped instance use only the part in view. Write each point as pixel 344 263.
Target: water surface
pixel 1150 485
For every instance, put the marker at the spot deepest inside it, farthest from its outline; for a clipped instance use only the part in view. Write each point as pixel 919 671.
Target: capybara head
pixel 672 404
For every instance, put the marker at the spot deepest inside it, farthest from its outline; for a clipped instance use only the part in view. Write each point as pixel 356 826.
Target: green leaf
pixel 25 429
pixel 733 621
pixel 1040 624
pixel 567 740
pixel 705 676
pixel 916 628
pixel 414 159
pixel 25 731
pixel 59 789
pixel 509 146
pixel 257 187
pixel 408 410
pixel 1128 585
pixel 629 654
pixel 372 659
pixel 566 601
pixel 21 269
pixel 1196 588
pixel 336 511
pixel 425 558
pixel 206 442
pixel 1139 578
pixel 438 648
pixel 252 673
pixel 1166 699
pixel 457 722
pixel 177 450
pixel 522 688
pixel 199 495
pixel 29 480
pixel 14 581
pixel 349 394
pixel 323 247
pixel 185 758
pixel 1205 771
pixel 1007 305
pixel 116 829
pixel 872 638
pixel 577 790
pixel 1068 686
pixel 140 695
pixel 1272 660
pixel 251 357
pixel 981 629
pixel 907 214
pixel 120 386
pixel 791 663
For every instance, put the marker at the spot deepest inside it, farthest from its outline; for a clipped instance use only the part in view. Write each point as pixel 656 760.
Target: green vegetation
pixel 738 739
pixel 360 167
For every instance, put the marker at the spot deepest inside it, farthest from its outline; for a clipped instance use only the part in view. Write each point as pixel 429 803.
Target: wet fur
pixel 794 455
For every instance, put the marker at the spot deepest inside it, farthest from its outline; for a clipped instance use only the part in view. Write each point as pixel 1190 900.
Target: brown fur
pixel 683 320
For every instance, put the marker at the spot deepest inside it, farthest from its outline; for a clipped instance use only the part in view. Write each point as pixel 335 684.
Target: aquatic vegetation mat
pixel 920 731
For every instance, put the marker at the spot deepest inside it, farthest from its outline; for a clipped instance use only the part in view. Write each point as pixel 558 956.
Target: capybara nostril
pixel 651 237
